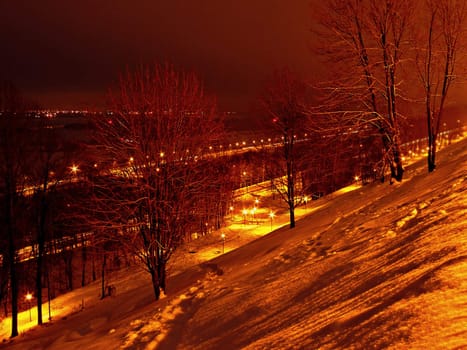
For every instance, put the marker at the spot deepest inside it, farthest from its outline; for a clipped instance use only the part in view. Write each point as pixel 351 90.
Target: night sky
pixel 67 53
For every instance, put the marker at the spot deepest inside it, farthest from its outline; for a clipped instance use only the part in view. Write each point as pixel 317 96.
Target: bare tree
pixel 285 103
pixel 157 138
pixel 439 35
pixel 366 40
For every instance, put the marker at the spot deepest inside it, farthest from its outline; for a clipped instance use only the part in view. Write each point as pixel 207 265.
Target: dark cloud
pixel 70 52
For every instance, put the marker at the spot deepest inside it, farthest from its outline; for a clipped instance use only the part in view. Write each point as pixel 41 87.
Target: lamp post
pixel 28 298
pixel 223 242
pixel 271 216
pixel 244 212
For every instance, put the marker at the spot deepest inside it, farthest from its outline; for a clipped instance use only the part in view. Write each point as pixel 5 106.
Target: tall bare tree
pixel 285 101
pixel 157 139
pixel 438 42
pixel 365 41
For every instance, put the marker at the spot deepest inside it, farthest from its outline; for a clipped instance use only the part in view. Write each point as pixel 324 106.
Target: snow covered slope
pixel 378 267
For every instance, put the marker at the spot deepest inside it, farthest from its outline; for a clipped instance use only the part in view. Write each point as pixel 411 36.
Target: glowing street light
pixel 28 299
pixel 271 216
pixel 223 242
pixel 305 199
pixel 244 212
pixel 74 169
pixel 253 212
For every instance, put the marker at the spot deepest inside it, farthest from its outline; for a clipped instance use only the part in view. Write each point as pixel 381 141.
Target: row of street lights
pixel 252 211
pixel 271 217
pixel 443 136
pixel 245 212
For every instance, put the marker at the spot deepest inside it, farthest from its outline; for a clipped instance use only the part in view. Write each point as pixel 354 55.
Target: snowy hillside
pixel 374 268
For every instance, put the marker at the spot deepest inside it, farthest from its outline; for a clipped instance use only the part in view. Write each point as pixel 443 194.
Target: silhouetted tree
pixel 13 183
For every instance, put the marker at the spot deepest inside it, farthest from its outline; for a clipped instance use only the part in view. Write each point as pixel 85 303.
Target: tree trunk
pixel 431 152
pixel 12 261
pixel 40 260
pixel 155 283
pixel 288 155
pixel 48 292
pixel 162 275
pixel 292 217
pixel 431 161
pixel 104 262
pixel 83 258
pixel 399 169
pixel 14 294
pixel 39 283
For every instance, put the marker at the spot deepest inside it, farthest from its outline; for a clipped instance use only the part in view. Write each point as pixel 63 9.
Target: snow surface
pixel 376 267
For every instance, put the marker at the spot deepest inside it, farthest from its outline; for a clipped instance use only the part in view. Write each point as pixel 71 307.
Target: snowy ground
pixel 377 267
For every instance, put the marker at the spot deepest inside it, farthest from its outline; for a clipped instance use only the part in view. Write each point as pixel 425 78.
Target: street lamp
pixel 305 199
pixel 271 216
pixel 223 242
pixel 244 212
pixel 253 212
pixel 28 298
pixel 74 169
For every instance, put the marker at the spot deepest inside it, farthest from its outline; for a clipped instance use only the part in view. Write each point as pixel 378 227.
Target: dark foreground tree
pixel 13 162
pixel 156 142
